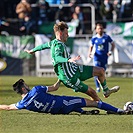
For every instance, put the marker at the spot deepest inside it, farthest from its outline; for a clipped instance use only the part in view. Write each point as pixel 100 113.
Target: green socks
pixel 104 86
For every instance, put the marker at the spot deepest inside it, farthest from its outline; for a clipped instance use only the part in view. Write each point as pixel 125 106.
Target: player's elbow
pixel 7 108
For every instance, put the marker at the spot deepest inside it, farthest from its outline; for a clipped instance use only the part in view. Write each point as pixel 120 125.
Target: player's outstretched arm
pixel 55 86
pixel 8 107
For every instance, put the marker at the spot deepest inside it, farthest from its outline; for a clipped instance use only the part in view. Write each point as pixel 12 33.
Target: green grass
pixel 30 122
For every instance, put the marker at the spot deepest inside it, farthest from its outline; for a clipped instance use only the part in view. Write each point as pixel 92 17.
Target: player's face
pixel 26 87
pixel 64 35
pixel 99 30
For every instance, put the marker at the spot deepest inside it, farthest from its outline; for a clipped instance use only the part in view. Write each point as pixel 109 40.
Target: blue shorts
pixel 100 64
pixel 71 104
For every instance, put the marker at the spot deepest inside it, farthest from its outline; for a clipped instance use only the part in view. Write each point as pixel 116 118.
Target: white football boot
pixel 110 91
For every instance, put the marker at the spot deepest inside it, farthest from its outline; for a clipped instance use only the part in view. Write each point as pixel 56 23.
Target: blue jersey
pixel 101 47
pixel 38 100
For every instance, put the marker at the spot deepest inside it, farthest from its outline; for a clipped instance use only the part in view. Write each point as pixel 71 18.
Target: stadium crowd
pixel 23 17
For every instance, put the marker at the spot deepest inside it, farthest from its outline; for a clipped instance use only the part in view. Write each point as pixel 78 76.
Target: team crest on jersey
pixel 100 47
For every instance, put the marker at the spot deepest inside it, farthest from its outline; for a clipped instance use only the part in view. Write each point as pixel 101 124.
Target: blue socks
pixel 107 107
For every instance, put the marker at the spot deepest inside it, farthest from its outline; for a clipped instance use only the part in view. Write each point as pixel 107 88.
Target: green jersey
pixel 65 70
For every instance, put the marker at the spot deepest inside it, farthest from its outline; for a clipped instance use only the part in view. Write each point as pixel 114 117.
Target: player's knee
pixel 101 70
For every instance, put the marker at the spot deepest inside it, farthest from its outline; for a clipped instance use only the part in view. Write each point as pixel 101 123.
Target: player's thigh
pixel 76 84
pixel 86 73
pixel 72 103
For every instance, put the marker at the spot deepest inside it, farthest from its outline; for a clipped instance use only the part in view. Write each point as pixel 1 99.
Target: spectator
pixel 106 11
pixel 44 9
pixel 4 23
pixel 116 5
pixel 8 28
pixel 75 19
pixel 74 22
pixel 80 28
pixel 73 4
pixel 97 4
pixel 126 10
pixel 34 8
pixel 29 26
pixel 62 14
pixel 23 9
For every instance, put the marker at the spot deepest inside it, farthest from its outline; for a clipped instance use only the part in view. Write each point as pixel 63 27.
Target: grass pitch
pixel 24 121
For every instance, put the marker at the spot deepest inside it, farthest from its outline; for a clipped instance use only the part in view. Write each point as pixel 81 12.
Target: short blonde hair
pixel 60 26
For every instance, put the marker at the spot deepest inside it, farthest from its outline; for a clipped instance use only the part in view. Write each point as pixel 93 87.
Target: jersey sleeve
pixel 92 41
pixel 20 105
pixel 110 39
pixel 42 47
pixel 41 88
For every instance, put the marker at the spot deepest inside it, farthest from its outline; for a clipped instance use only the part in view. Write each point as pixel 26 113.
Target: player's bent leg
pixel 108 107
pixel 104 106
pixel 99 71
pixel 79 86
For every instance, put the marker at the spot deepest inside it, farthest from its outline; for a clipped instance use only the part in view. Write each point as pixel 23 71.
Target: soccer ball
pixel 128 106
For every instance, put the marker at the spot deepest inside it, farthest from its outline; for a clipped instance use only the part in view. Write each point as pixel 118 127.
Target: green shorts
pixel 84 73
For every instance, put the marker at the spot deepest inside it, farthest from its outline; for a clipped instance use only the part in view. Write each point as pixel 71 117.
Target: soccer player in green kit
pixel 66 69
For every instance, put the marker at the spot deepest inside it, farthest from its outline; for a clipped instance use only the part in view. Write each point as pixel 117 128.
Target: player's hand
pixel 74 59
pixel 29 51
pixel 109 53
pixel 90 55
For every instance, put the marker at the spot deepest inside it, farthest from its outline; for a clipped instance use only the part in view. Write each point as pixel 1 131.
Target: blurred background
pixel 25 24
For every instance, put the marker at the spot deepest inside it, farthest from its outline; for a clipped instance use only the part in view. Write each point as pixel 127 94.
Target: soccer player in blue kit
pixel 39 100
pixel 101 42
